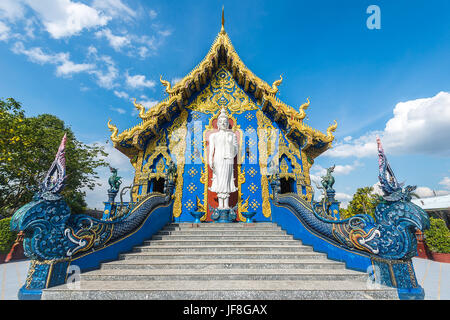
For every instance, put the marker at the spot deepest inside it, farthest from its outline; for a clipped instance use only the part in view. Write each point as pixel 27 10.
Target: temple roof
pixel 222 53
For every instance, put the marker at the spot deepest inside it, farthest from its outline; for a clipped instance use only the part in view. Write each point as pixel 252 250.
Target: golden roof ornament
pixel 114 131
pixel 275 85
pixel 222 30
pixel 167 85
pixel 303 107
pixel 140 108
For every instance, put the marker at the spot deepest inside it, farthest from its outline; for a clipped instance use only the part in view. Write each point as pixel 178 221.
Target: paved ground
pixel 12 277
pixel 433 276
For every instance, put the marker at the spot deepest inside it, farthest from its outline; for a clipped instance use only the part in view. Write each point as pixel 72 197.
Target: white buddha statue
pixel 223 147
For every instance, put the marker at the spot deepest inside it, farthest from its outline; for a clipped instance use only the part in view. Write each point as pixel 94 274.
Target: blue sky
pixel 84 60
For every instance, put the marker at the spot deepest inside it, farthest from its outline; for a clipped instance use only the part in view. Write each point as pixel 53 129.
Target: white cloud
pixel 422 192
pixel 425 192
pixel 29 28
pixel 117 42
pixel 119 110
pixel 4 31
pixel 445 182
pixel 139 81
pixel 143 52
pixel 153 14
pixel 121 94
pixel 146 102
pixel 413 130
pixel 343 198
pixel 65 18
pixel 11 10
pixel 35 55
pixel 65 67
pixel 338 169
pixel 105 77
pixel 114 8
pixel 165 33
pixel 377 189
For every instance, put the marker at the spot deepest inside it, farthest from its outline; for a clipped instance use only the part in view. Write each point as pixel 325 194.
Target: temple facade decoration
pixel 267 132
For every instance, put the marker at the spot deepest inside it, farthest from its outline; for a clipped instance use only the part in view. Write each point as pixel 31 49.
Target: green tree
pixel 27 149
pixel 437 236
pixel 364 202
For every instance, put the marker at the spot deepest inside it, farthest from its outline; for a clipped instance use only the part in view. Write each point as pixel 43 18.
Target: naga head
pixel 46 212
pixel 398 217
pixel 54 180
pixel 392 189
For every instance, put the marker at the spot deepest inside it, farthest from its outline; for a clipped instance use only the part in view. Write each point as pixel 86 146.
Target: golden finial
pixel 114 131
pixel 303 107
pixel 222 30
pixel 330 131
pixel 141 109
pixel 166 84
pixel 275 85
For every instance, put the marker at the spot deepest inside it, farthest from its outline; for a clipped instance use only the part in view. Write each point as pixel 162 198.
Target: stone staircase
pixel 222 261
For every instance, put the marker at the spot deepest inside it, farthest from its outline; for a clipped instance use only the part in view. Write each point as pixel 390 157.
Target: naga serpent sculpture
pixel 391 235
pixel 52 232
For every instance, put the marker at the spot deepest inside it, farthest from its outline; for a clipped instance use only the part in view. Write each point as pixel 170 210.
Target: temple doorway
pixel 156 185
pixel 287 185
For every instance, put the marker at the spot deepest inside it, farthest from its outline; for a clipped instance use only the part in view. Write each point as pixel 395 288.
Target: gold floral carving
pixel 177 146
pixel 222 91
pixel 265 131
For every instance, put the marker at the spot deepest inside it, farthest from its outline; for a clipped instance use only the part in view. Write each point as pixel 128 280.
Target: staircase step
pixel 233 248
pixel 228 232
pixel 210 242
pixel 222 274
pixel 224 255
pixel 229 237
pixel 219 264
pixel 221 261
pixel 219 289
pixel 249 226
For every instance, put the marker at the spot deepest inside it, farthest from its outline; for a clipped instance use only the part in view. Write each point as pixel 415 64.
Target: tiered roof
pixel 222 52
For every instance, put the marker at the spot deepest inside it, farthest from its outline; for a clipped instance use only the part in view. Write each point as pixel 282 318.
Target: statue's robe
pixel 223 147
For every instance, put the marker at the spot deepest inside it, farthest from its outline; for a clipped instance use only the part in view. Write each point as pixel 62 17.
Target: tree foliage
pixel 7 236
pixel 364 202
pixel 437 236
pixel 28 146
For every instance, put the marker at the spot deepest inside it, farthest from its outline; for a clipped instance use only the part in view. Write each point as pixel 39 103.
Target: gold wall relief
pixel 292 152
pixel 306 168
pixel 242 205
pixel 222 91
pixel 177 146
pixel 265 133
pixel 137 176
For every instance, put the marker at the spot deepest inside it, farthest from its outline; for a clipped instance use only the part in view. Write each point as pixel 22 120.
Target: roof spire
pixel 223 20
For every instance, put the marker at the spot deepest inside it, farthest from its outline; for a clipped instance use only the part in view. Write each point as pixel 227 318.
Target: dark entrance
pixel 287 185
pixel 156 185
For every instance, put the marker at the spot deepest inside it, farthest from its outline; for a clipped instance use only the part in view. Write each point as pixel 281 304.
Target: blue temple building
pixel 269 132
pixel 171 202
